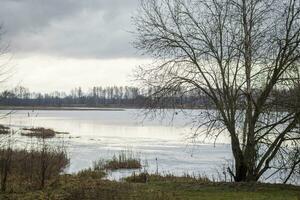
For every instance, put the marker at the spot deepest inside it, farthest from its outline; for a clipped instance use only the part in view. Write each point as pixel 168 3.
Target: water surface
pixel 161 144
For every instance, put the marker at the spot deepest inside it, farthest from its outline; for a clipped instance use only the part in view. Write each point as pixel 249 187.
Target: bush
pixel 33 169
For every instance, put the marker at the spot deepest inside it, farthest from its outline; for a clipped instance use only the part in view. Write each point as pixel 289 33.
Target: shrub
pixel 34 169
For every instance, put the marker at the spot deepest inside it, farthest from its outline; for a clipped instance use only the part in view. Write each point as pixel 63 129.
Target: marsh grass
pixel 40 132
pixel 4 130
pixel 89 184
pixel 124 160
pixel 97 171
pixel 146 177
pixel 27 168
pixel 84 186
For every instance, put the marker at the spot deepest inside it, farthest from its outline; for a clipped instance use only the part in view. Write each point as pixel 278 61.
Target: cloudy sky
pixel 61 44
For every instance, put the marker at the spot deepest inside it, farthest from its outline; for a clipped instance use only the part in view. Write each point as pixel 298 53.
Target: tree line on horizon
pixel 95 96
pixel 122 96
pixel 125 96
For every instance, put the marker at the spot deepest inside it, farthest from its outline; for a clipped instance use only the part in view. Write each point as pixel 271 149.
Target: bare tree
pixel 239 53
pixel 51 160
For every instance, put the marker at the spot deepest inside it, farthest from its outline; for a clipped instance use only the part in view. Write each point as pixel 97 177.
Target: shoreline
pixel 13 108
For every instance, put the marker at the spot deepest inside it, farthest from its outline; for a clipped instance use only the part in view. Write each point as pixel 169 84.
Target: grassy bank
pixel 36 175
pixel 86 185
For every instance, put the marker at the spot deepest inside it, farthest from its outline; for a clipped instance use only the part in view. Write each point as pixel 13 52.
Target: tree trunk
pixel 240 164
pixel 240 172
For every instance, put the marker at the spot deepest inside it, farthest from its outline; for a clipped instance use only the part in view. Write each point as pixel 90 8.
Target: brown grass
pixel 40 132
pixel 91 173
pixel 85 185
pixel 4 130
pixel 125 160
pixel 26 167
pixel 75 187
pixel 186 178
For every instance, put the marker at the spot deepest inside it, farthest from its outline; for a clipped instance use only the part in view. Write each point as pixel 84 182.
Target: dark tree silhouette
pixel 238 53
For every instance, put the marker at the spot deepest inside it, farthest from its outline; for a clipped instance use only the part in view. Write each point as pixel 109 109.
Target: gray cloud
pixel 72 28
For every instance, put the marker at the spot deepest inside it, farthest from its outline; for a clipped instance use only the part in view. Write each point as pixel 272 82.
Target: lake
pixel 160 143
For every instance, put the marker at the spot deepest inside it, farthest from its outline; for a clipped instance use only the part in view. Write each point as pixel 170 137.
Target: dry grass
pixel 145 177
pixel 124 160
pixel 40 132
pixel 90 173
pixel 26 167
pixel 89 184
pixel 95 172
pixel 4 130
pixel 83 186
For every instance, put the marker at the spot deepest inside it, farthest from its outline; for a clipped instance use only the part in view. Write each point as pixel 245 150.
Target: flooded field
pixel 99 134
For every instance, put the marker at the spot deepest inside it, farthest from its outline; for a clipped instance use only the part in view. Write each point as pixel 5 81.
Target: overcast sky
pixel 61 44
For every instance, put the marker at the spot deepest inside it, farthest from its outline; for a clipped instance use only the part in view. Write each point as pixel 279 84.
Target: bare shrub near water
pixel 32 167
pixel 35 167
pixel 6 156
pixel 5 166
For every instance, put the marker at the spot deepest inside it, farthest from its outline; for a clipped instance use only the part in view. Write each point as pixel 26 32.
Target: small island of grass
pixel 40 132
pixel 4 130
pixel 123 160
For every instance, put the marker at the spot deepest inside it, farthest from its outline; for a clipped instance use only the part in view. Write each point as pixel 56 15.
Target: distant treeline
pixel 128 97
pixel 113 96
pixel 96 96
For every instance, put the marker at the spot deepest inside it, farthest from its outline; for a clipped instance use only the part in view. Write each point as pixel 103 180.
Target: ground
pixel 91 187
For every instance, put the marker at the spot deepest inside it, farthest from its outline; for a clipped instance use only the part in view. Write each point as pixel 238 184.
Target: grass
pixel 145 178
pixel 191 187
pixel 4 130
pixel 95 172
pixel 40 132
pixel 86 186
pixel 90 184
pixel 25 167
pixel 124 160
